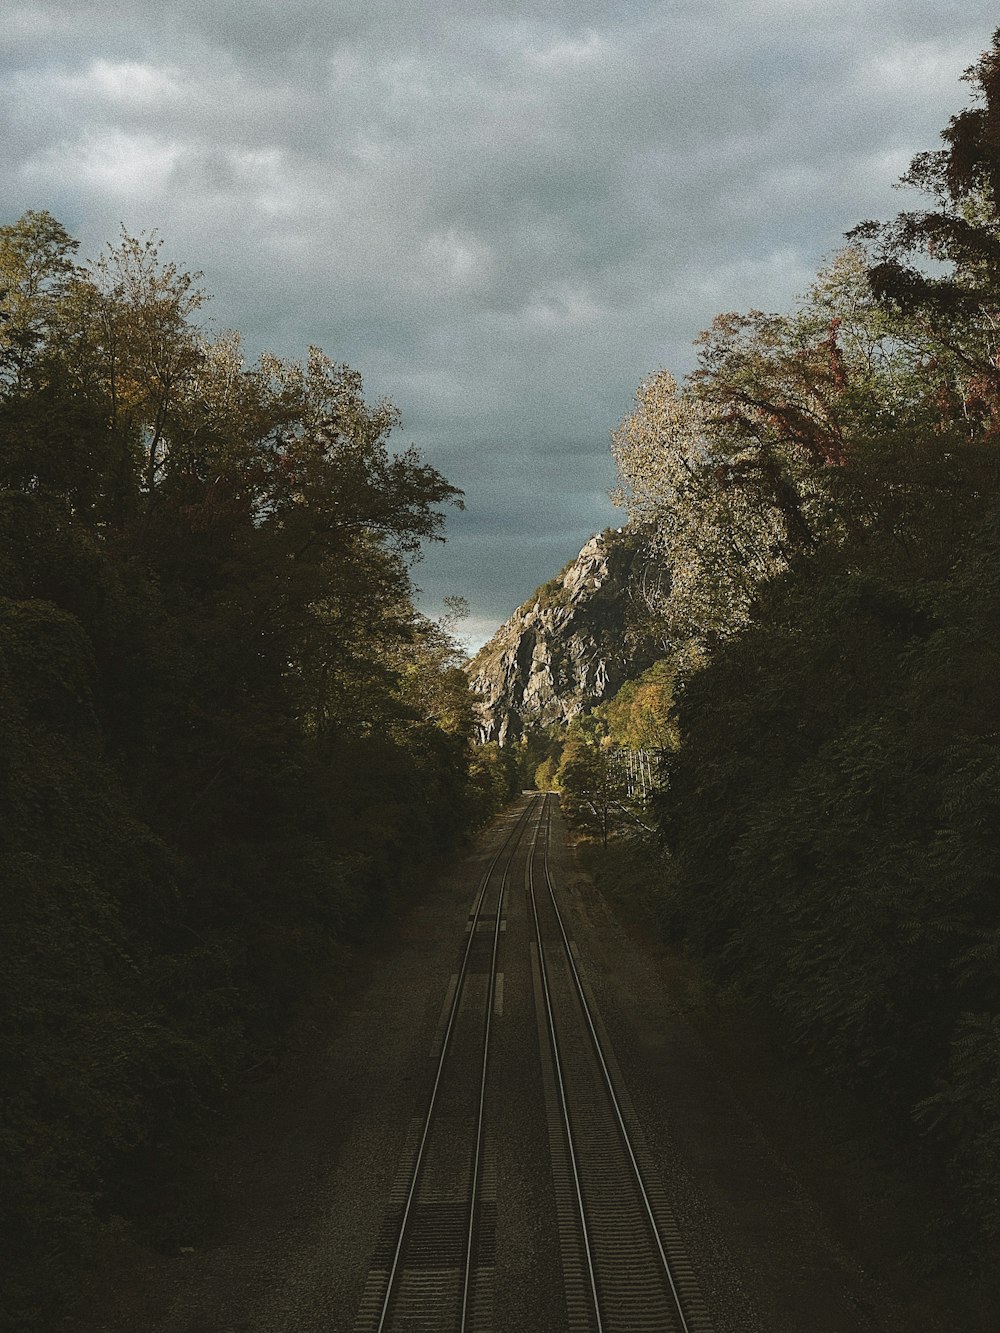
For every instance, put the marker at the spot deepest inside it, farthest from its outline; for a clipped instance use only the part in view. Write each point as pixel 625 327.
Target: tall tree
pixel 939 266
pixel 36 267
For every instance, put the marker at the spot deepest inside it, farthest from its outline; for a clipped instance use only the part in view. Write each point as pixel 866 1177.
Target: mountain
pixel 568 647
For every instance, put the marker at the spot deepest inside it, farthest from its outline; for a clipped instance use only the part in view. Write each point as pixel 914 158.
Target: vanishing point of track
pixel 623 1263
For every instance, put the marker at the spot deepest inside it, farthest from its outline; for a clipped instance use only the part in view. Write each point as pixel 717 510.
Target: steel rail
pixel 480 1115
pixel 560 1083
pixel 510 843
pixel 626 1139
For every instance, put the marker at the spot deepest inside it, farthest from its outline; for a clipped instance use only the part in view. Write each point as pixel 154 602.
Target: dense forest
pixel 824 494
pixel 228 741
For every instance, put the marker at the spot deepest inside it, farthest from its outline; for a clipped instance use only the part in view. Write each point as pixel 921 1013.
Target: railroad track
pixel 621 1255
pixel 624 1265
pixel 433 1266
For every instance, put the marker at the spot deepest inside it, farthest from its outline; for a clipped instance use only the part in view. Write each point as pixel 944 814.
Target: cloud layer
pixel 503 220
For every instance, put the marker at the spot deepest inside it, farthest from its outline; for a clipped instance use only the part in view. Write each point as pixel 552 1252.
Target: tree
pixel 938 267
pixel 142 310
pixel 640 715
pixel 587 780
pixel 832 806
pixel 781 443
pixel 709 541
pixel 228 738
pixel 36 269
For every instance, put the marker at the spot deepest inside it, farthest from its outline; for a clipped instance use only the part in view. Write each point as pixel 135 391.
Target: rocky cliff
pixel 566 649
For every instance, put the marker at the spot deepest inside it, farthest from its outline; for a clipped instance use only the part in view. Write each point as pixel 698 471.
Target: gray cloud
pixel 504 220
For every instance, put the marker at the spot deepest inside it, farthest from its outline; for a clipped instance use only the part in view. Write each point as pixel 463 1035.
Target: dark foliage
pixel 833 813
pixel 227 740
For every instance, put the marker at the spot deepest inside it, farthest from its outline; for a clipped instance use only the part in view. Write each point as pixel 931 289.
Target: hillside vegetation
pixel 227 739
pixel 824 491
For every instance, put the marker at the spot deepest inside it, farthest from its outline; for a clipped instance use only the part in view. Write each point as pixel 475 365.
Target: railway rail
pixel 624 1263
pixel 438 1234
pixel 621 1254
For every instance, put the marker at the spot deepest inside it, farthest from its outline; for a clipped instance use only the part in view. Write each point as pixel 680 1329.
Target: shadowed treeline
pixel 227 739
pixel 824 495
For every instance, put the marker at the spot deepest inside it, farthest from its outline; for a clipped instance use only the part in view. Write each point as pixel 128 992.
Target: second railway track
pixel 625 1269
pixel 620 1253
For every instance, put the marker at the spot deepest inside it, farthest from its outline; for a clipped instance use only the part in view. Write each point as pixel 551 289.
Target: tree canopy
pixel 824 491
pixel 228 740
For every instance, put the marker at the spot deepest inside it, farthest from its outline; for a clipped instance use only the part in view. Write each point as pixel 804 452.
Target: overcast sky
pixel 503 217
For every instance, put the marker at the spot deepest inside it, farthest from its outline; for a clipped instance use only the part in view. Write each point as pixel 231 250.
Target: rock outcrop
pixel 567 648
